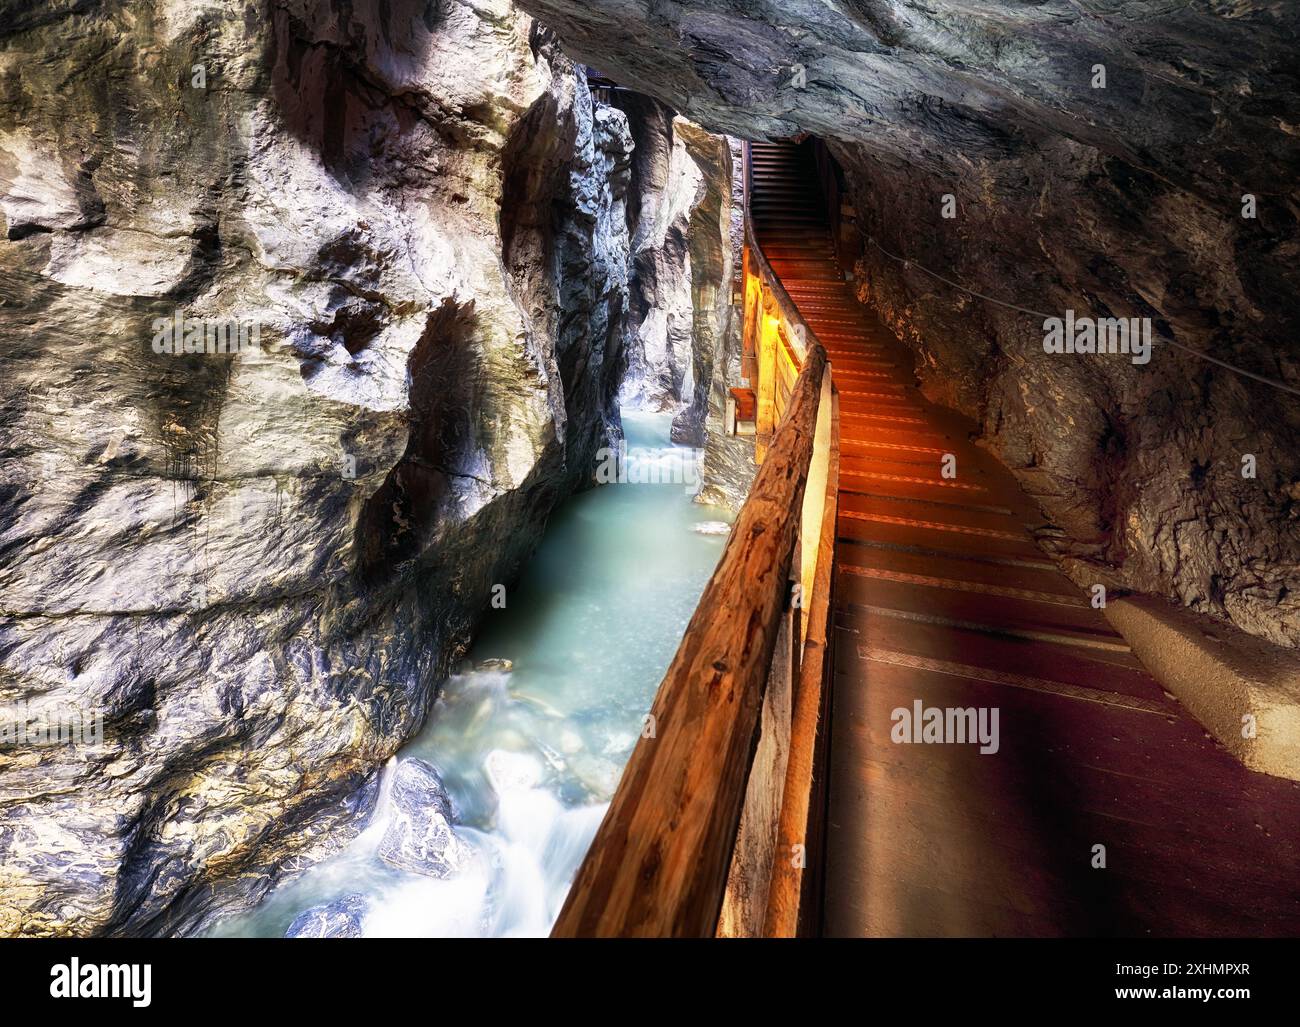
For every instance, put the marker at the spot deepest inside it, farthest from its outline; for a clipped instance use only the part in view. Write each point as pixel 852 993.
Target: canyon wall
pixel 683 339
pixel 678 219
pixel 728 465
pixel 664 185
pixel 257 566
pixel 1097 157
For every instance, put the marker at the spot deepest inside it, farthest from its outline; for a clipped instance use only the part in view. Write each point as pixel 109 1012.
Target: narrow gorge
pixel 382 385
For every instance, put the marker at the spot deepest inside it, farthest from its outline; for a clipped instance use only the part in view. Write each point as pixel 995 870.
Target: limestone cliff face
pixel 729 466
pixel 711 263
pixel 1100 157
pixel 680 305
pixel 683 342
pixel 258 565
pixel 664 185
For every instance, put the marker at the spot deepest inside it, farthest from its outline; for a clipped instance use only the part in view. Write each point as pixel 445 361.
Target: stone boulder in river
pixel 420 837
pixel 341 918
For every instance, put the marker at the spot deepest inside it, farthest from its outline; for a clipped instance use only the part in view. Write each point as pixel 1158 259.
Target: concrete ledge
pixel 1223 676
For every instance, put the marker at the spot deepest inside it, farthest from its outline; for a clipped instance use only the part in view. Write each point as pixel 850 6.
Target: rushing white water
pixel 531 757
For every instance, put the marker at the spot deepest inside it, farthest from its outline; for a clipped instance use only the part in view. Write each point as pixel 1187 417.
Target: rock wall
pixel 1100 158
pixel 729 467
pixel 257 566
pixel 679 213
pixel 683 341
pixel 663 187
pixel 711 263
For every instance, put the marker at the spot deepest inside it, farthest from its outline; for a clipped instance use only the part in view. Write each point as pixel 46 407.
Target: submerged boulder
pixel 420 837
pixel 511 771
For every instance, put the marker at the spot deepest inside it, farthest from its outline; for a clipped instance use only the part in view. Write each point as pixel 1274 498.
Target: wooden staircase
pixel 942 596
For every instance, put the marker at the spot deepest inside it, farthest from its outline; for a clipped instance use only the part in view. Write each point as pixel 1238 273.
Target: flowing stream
pixel 530 757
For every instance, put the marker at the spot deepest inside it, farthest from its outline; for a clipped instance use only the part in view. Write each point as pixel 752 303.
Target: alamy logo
pixel 62 725
pixel 1130 336
pixel 954 725
pixel 179 335
pixel 674 466
pixel 107 980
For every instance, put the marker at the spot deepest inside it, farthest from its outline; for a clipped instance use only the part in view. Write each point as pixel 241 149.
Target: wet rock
pixel 679 213
pixel 510 772
pixel 257 566
pixel 729 468
pixel 499 665
pixel 711 267
pixel 341 918
pixel 420 837
pixel 711 528
pixel 598 776
pixel 662 188
pixel 683 342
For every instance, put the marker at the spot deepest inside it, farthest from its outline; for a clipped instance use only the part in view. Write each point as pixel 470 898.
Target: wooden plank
pixel 1070 664
pixel 754 854
pixel 794 899
pixel 1014 830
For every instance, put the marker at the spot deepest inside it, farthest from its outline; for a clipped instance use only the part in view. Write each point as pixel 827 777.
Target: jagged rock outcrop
pixel 257 566
pixel 679 214
pixel 663 187
pixel 666 187
pixel 683 341
pixel 1121 196
pixel 728 467
pixel 342 918
pixel 711 264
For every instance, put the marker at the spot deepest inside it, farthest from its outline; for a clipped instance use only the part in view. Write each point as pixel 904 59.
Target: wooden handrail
pixel 667 852
pixel 794 896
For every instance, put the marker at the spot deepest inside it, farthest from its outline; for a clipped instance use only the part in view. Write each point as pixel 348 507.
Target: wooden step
pixel 916 507
pixel 932 536
pixel 1083 666
pixel 968 495
pixel 859 597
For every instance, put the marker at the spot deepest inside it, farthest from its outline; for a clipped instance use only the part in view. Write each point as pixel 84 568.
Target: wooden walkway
pixel 942 597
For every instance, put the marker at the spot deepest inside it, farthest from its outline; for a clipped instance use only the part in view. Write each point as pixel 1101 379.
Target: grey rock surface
pixel 420 837
pixel 729 467
pixel 342 918
pixel 679 218
pixel 1125 200
pixel 711 265
pixel 664 184
pixel 257 566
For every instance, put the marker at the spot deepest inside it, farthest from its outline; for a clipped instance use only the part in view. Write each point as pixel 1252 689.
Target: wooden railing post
pixel 793 902
pixel 753 297
pixel 744 904
pixel 814 497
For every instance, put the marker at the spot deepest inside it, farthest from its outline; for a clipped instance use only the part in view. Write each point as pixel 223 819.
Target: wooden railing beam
pixel 793 890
